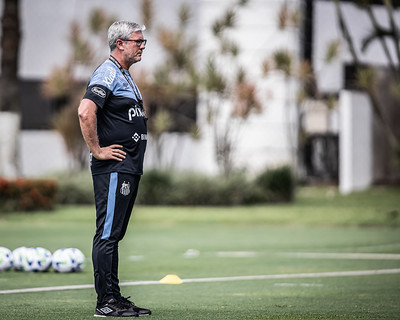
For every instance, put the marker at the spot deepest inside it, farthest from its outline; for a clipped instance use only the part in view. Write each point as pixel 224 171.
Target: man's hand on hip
pixel 112 152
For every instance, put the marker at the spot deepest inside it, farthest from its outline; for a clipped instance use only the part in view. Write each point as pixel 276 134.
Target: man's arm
pixel 88 122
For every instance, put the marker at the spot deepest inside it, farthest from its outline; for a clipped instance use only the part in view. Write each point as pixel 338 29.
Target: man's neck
pixel 120 60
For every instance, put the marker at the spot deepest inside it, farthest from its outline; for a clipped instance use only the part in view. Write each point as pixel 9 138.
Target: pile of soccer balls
pixel 40 259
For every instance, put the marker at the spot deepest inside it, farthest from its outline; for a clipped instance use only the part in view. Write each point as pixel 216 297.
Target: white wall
pixel 263 140
pixel 42 152
pixel 9 129
pixel 355 142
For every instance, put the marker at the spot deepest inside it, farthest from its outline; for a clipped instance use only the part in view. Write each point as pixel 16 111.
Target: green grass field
pixel 322 232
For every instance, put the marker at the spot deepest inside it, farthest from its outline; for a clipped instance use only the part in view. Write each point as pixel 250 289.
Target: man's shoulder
pixel 104 75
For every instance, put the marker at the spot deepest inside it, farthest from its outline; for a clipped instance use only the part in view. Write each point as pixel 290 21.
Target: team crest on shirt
pixel 125 188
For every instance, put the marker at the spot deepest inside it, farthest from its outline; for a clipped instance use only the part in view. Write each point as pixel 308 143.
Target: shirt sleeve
pixel 98 94
pixel 101 85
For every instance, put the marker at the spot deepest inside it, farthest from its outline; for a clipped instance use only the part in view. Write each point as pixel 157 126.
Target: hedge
pixel 278 183
pixel 159 187
pixel 75 188
pixel 27 194
pixel 156 188
pixel 168 188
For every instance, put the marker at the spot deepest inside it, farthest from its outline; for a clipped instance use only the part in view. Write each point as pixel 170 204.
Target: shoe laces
pixel 126 300
pixel 118 303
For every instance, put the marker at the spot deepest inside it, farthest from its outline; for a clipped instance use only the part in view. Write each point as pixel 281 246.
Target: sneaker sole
pixel 102 316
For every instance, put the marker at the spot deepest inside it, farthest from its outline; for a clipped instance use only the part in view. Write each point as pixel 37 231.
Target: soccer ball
pixel 35 260
pixel 6 259
pixel 43 257
pixel 29 260
pixel 68 260
pixel 32 259
pixel 18 255
pixel 62 261
pixel 79 259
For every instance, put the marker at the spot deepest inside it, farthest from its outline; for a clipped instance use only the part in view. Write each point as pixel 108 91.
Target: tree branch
pixel 382 40
pixel 396 39
pixel 393 139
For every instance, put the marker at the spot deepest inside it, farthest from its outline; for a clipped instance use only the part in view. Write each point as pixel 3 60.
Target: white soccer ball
pixel 6 259
pixel 68 260
pixel 79 259
pixel 30 260
pixel 18 255
pixel 44 258
pixel 62 261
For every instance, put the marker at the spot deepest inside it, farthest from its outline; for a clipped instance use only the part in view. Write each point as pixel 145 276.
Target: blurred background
pixel 266 94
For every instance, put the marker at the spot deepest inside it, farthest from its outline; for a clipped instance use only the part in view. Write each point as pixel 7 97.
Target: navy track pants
pixel 115 195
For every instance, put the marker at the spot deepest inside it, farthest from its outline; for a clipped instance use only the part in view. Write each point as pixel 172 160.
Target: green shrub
pixel 27 194
pixel 161 187
pixel 155 188
pixel 172 188
pixel 195 189
pixel 277 184
pixel 191 189
pixel 76 188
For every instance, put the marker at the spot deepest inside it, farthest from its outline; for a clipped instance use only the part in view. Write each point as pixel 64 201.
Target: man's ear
pixel 119 43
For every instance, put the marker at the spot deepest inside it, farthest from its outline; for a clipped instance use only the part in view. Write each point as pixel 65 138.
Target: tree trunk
pixel 10 117
pixel 9 57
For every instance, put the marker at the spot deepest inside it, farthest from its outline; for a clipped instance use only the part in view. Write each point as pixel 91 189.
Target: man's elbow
pixel 86 111
pixel 83 114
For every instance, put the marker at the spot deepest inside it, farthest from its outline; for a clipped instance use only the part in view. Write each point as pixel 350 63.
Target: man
pixel 113 124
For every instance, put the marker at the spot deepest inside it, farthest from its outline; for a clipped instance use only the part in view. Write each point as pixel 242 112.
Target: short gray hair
pixel 122 30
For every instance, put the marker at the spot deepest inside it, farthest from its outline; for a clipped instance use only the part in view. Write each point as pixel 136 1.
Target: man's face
pixel 134 47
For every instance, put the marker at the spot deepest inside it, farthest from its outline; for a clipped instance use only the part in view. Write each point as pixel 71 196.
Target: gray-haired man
pixel 113 124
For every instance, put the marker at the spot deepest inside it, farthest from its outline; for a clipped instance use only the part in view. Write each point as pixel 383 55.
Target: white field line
pixel 220 279
pixel 308 255
pixel 236 254
pixel 298 285
pixel 298 275
pixel 355 256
